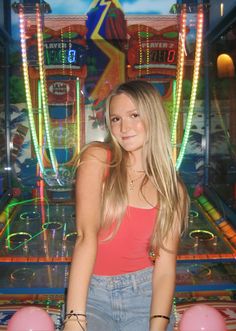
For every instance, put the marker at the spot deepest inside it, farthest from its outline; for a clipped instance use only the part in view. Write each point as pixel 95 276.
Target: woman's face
pixel 126 125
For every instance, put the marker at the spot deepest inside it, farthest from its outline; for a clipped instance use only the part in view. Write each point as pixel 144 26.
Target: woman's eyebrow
pixel 129 111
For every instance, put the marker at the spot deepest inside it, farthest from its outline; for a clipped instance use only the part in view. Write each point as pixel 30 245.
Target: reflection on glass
pixel 222 172
pixel 3 153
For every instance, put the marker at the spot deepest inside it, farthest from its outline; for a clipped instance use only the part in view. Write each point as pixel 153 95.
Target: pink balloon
pixel 31 319
pixel 201 317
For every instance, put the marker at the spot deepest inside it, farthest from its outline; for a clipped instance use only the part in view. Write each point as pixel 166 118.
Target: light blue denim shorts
pixel 121 303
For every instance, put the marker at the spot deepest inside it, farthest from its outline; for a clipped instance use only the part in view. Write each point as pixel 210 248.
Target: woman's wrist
pixel 74 321
pixel 158 322
pixel 160 316
pixel 74 318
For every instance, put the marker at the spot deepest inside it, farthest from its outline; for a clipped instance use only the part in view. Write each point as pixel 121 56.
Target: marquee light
pixel 78 112
pixel 27 88
pixel 42 76
pixel 196 71
pixel 179 80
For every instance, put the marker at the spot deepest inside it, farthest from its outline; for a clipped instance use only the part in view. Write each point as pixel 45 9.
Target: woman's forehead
pixel 122 102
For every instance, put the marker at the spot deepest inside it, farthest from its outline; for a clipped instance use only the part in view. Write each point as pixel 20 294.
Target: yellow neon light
pixel 44 89
pixel 27 87
pixel 179 81
pixel 196 70
pixel 78 113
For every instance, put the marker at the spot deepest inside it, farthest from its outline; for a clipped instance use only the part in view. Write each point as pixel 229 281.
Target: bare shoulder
pixel 93 161
pixel 96 151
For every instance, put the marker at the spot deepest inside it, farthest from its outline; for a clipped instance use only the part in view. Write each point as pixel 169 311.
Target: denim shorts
pixel 121 303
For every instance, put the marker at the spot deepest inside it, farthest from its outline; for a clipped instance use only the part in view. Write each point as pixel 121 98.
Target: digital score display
pixel 156 54
pixel 59 54
pixel 152 53
pixel 64 54
pixel 162 56
pixel 160 52
pixel 60 57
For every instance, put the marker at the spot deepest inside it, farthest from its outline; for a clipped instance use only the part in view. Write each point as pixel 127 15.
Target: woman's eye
pixel 114 119
pixel 134 115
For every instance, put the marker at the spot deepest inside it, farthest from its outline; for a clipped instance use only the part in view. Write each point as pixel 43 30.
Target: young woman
pixel 131 208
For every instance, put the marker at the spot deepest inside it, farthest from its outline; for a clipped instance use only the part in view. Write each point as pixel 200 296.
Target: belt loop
pixel 134 282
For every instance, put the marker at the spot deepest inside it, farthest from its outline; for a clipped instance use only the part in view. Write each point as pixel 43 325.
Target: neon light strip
pixel 179 81
pixel 70 47
pixel 173 99
pixel 196 71
pixel 27 87
pixel 40 128
pixel 44 89
pixel 15 203
pixel 40 121
pixel 63 52
pixel 140 52
pixel 78 113
pixel 148 51
pixel 174 147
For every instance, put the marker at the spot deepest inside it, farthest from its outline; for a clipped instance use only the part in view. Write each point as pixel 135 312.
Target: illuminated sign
pixel 58 54
pixel 64 54
pixel 158 52
pixel 152 52
pixel 59 88
pixel 162 56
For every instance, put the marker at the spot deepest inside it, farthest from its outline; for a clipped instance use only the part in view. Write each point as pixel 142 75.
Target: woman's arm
pixel 89 183
pixel 164 273
pixel 163 283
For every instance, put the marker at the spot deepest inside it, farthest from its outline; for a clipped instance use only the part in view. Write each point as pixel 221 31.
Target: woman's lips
pixel 127 137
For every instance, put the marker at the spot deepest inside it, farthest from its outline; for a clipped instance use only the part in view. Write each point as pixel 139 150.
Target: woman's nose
pixel 124 126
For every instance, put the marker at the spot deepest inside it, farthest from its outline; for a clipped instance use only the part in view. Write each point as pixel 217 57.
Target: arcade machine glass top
pixel 39 232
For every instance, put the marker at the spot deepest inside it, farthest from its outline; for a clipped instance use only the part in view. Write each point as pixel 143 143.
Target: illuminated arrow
pixel 114 71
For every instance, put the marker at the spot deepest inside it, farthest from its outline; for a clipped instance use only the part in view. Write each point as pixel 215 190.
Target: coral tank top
pixel 128 250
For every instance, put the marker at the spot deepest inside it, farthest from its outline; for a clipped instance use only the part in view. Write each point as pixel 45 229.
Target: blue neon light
pixel 71 56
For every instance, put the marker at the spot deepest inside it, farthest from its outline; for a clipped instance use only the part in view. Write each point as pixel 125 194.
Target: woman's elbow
pixel 86 236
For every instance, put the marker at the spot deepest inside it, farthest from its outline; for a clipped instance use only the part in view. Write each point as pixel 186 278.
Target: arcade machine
pixel 57 78
pixel 37 223
pixel 206 268
pixel 54 70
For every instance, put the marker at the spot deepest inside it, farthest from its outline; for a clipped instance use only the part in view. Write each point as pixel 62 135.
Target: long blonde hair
pixel 157 160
